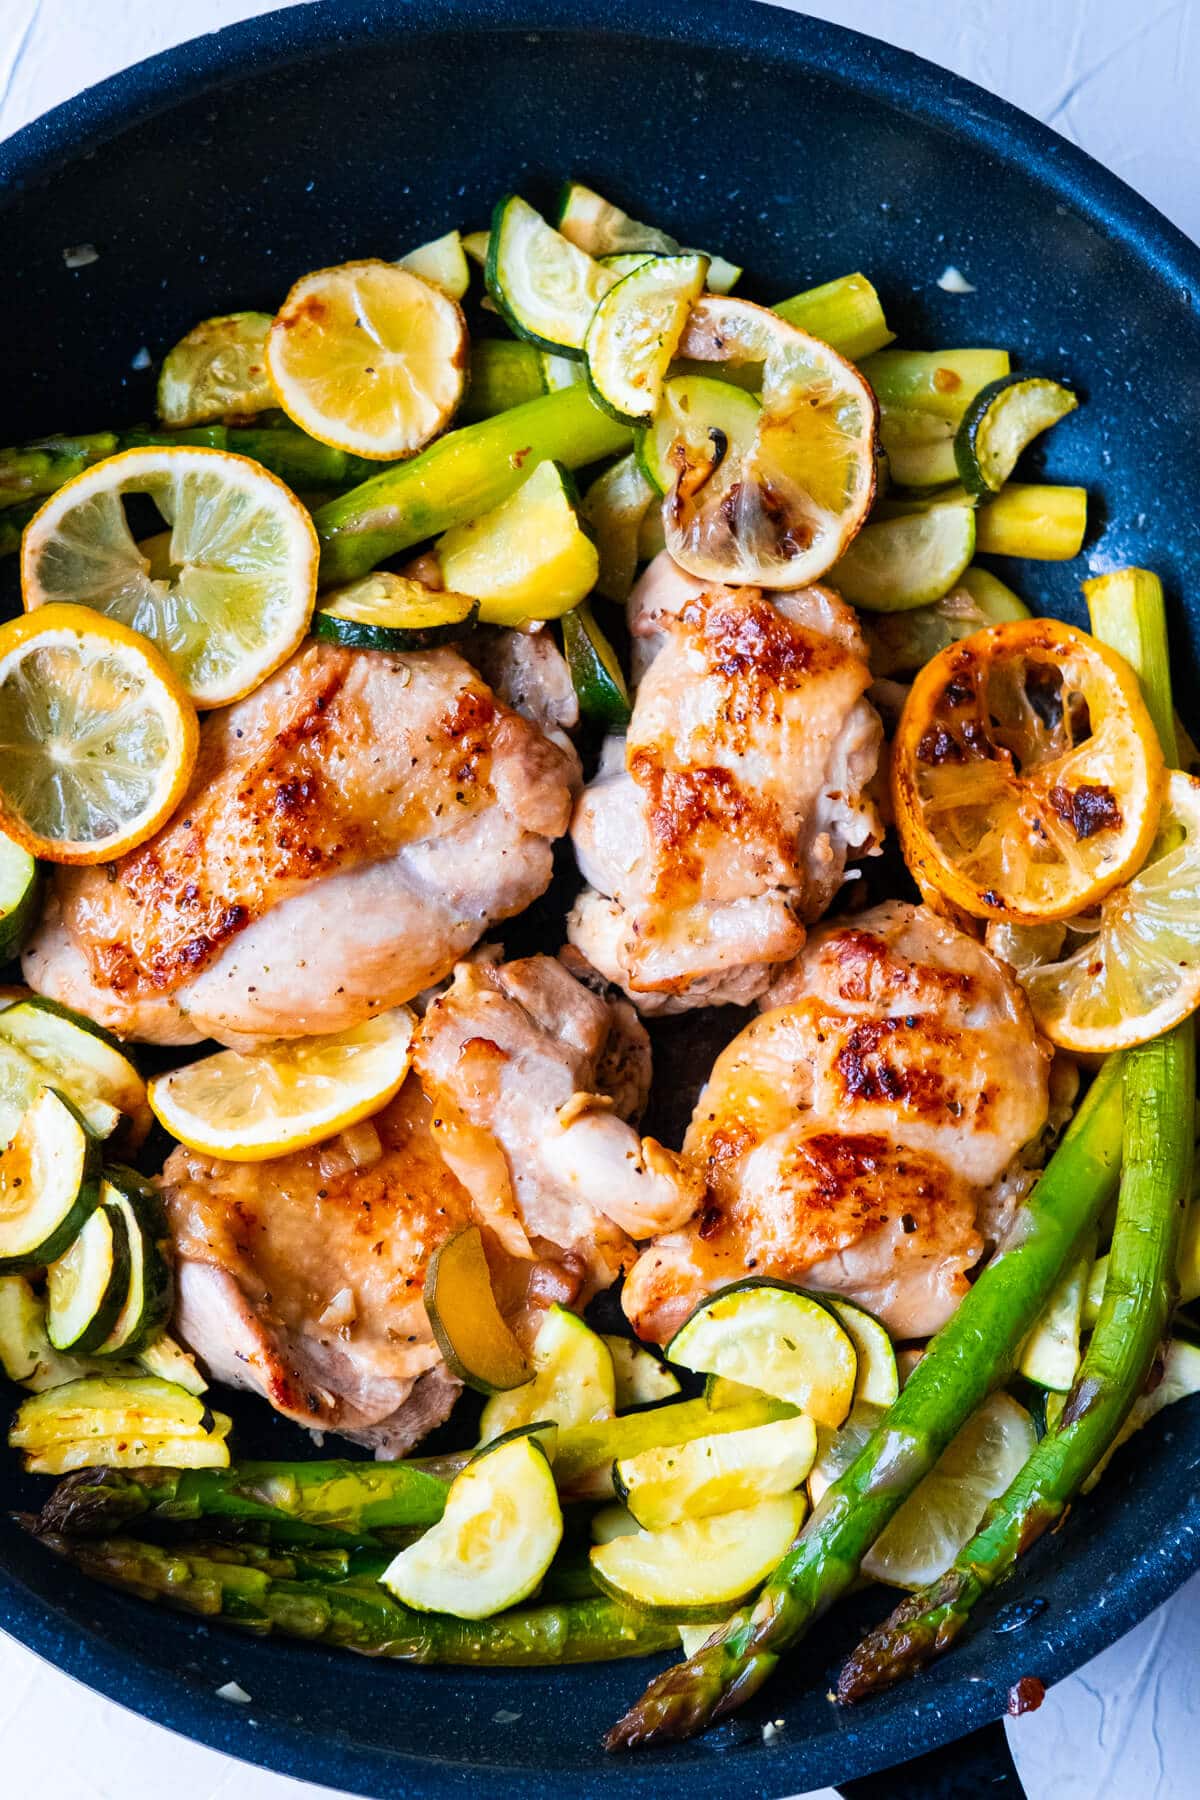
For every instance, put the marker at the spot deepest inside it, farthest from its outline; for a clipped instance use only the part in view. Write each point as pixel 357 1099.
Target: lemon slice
pixel 944 1511
pixel 217 371
pixel 781 512
pixel 97 739
pixel 1026 773
pixel 241 575
pixel 1130 969
pixel 248 1106
pixel 368 357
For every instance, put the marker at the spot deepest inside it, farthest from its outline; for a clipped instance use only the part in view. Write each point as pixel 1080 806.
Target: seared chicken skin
pixel 352 828
pixel 722 823
pixel 533 1078
pixel 303 1277
pixel 851 1134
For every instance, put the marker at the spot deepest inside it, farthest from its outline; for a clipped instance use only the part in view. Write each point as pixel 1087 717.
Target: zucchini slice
pixel 624 262
pixel 900 563
pixel 19 885
pixel 635 331
pixel 777 1339
pixel 1041 521
pixel 837 1449
pixel 146 1305
pixel 599 683
pixel 392 612
pixel 701 1568
pixel 25 1352
pixel 559 372
pixel 443 263
pixel 1001 421
pixel 171 1362
pixel 1180 1379
pixel 475 244
pixel 699 417
pixel 87 1285
pixel 720 1474
pixel 1050 1356
pixel 529 558
pixel 919 447
pixel 478 1346
pixel 900 643
pixel 611 1522
pixel 79 1059
pixel 493 1543
pixel 124 1422
pixel 614 510
pixel 641 1378
pixel 21 1079
pixel 939 382
pixel 48 1185
pixel 878 1381
pixel 504 374
pixel 545 286
pixel 585 1455
pixel 602 229
pixel 573 1381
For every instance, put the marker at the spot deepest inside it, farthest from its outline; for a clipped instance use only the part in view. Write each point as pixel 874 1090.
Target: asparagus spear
pixel 1141 1280
pixel 333 1597
pixel 13 520
pixel 972 1354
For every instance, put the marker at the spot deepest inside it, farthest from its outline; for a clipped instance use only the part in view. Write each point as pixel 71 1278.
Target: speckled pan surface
pixel 210 178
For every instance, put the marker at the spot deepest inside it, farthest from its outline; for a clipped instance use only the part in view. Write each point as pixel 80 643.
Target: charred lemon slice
pixel 1026 773
pixel 780 511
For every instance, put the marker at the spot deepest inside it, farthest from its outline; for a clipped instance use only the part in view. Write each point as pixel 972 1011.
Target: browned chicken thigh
pixel 352 828
pixel 851 1136
pixel 722 823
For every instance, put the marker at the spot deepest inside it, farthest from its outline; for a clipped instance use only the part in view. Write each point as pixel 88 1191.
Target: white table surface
pixel 1120 80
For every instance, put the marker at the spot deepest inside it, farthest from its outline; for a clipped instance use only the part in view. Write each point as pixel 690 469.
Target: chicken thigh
pixel 352 828
pixel 722 823
pixel 852 1133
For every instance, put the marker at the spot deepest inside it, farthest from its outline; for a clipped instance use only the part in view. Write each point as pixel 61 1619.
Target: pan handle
pixel 977 1765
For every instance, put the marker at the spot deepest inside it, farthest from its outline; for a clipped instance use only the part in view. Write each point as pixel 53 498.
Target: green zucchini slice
pixel 614 510
pixel 478 1346
pixel 878 1381
pixel 493 1543
pixel 48 1185
pixel 545 286
pixel 146 1304
pixel 905 562
pixel 641 1378
pixel 1001 421
pixel 529 558
pixel 725 1473
pixel 19 885
pixel 774 1338
pixel 939 382
pixel 1050 1356
pixel 919 447
pixel 80 1060
pixel 169 1361
pixel 702 416
pixel 635 331
pixel 700 1568
pixel 443 263
pixel 87 1285
pixel 602 229
pixel 573 1381
pixel 21 1079
pixel 392 612
pixel 596 673
pixel 584 1459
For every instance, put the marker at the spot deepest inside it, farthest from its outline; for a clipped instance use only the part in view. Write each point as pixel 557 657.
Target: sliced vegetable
pixel 1051 1354
pixel 545 286
pixel 640 1377
pixel 120 1422
pixel 1026 773
pixel 493 1543
pixel 528 559
pixel 700 1568
pixel 699 418
pixel 20 889
pixel 1002 420
pixel 48 1183
pixel 901 563
pixel 919 447
pixel 635 331
pixel 86 1286
pixel 253 1105
pixel 780 515
pixel 614 509
pixel 1178 1379
pixel 368 357
pixel 877 1381
pixel 392 612
pixel 611 1522
pixel 218 371
pixel 503 374
pixel 442 262
pixel 595 672
pixel 901 643
pixel 777 1339
pixel 602 229
pixel 941 383
pixel 721 1474
pixel 573 1381
pixel 585 1455
pixel 838 1448
pixel 941 1515
pixel 146 1303
pixel 845 313
pixel 559 372
pixel 22 1079
pixel 79 1059
pixel 1043 522
pixel 26 1355
pixel 471 1334
pixel 170 1362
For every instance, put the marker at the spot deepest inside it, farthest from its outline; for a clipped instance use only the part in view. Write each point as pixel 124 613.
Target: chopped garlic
pixel 234 1691
pixel 78 256
pixel 954 281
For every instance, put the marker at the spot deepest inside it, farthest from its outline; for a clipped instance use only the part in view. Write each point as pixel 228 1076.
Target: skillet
pixel 212 176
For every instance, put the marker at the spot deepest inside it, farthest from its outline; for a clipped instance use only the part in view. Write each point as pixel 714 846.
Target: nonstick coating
pixel 211 177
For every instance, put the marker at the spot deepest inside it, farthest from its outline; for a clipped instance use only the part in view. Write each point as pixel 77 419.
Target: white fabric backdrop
pixel 1116 78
